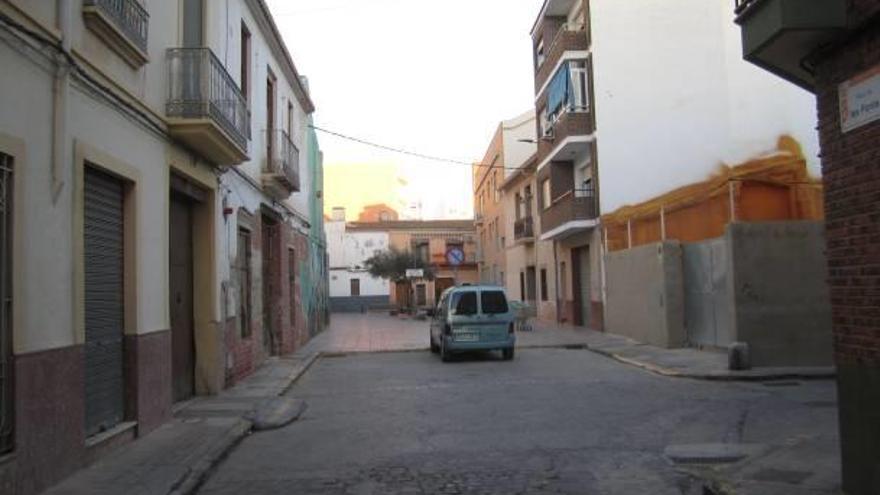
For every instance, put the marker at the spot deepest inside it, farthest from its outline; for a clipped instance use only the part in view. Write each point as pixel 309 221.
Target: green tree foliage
pixel 393 264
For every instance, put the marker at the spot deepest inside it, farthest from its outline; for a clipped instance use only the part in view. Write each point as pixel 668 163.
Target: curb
pixel 190 482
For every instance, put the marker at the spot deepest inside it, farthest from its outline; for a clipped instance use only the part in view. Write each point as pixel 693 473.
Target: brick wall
pixel 851 169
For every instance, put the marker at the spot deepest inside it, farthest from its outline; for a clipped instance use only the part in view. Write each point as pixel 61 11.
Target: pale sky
pixel 431 76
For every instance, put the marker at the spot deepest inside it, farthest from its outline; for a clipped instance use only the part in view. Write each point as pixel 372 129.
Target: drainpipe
pixel 559 301
pixel 60 90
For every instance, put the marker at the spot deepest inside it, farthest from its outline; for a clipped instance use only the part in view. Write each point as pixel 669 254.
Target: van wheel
pixel 434 347
pixel 507 354
pixel 445 355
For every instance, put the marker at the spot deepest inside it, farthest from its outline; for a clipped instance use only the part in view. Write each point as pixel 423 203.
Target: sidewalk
pixel 679 363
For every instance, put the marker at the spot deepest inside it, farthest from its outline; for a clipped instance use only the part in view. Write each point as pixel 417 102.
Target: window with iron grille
pixel 6 397
pixel 243 270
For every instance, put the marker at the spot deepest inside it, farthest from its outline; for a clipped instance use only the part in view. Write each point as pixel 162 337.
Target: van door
pixel 494 316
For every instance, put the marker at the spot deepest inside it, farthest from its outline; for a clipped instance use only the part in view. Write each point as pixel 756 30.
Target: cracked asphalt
pixel 552 421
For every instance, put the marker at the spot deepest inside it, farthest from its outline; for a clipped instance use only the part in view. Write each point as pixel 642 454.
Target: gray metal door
pixel 707 297
pixel 582 296
pixel 6 392
pixel 104 317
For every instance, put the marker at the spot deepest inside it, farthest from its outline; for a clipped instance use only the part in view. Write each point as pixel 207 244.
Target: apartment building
pixel 159 235
pixel 634 100
pixel 829 47
pixel 449 247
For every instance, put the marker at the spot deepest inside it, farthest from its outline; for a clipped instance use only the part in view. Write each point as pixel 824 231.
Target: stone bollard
pixel 738 356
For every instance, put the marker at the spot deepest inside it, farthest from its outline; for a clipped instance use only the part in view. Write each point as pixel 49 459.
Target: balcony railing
pixel 524 229
pixel 282 164
pixel 129 16
pixel 200 88
pixel 576 204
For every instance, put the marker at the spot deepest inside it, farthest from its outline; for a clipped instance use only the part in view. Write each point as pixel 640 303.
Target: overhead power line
pixel 408 152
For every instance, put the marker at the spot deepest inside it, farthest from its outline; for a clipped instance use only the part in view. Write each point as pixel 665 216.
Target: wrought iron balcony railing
pixel 524 228
pixel 129 16
pixel 200 88
pixel 283 159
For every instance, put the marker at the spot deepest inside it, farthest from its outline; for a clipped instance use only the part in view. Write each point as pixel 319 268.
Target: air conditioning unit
pixel 548 132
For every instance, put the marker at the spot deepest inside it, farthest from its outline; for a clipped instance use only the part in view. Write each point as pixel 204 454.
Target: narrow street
pixel 554 420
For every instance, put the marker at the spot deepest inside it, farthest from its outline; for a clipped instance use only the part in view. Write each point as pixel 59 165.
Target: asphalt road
pixel 551 421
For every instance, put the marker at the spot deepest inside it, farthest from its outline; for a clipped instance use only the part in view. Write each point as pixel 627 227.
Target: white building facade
pixel 352 288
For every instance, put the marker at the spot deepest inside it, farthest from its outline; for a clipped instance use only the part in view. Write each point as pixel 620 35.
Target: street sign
pixel 415 273
pixel 455 256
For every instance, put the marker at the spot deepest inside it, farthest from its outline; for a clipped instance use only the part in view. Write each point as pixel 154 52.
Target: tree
pixel 393 264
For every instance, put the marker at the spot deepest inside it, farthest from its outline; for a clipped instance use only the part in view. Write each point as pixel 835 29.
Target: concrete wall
pixel 645 296
pixel 781 300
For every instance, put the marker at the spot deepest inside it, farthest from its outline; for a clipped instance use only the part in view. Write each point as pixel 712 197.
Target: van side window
pixel 493 302
pixel 465 303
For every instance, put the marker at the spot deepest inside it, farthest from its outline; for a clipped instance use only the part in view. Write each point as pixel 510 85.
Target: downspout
pixel 559 300
pixel 60 91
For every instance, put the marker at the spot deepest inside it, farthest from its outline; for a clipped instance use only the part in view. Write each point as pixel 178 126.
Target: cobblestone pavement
pixel 553 421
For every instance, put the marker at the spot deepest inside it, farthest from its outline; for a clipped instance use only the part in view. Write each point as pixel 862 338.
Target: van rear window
pixel 493 302
pixel 465 303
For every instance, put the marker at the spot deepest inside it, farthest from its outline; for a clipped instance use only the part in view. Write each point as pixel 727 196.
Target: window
pixel 290 120
pixel 540 54
pixel 355 287
pixel 493 302
pixel 464 303
pixel 5 303
pixel 580 90
pixel 291 280
pixel 243 271
pixel 546 200
pixel 522 286
pixel 245 62
pixel 421 251
pixel 497 191
pixel 270 114
pixel 544 284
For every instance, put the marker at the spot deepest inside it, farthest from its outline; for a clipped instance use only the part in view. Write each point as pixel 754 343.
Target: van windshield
pixel 493 302
pixel 464 303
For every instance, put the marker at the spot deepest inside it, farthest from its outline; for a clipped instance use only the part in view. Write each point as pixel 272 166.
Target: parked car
pixel 473 318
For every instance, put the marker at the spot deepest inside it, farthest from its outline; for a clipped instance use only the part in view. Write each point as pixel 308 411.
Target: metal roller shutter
pixel 104 318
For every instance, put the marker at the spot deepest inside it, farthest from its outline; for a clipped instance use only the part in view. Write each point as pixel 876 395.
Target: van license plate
pixel 467 337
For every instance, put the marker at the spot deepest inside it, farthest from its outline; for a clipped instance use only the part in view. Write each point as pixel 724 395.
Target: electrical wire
pixel 409 153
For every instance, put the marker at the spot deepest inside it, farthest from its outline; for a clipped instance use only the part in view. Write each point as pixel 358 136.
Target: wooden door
pixel 181 293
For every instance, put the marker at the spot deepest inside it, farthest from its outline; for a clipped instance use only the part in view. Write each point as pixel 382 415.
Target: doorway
pixel 271 239
pixel 103 236
pixel 180 251
pixel 581 279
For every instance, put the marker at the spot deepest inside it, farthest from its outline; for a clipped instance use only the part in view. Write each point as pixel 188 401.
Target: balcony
pixel 574 211
pixel 780 35
pixel 205 108
pixel 566 40
pixel 566 137
pixel 122 24
pixel 524 230
pixel 281 170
